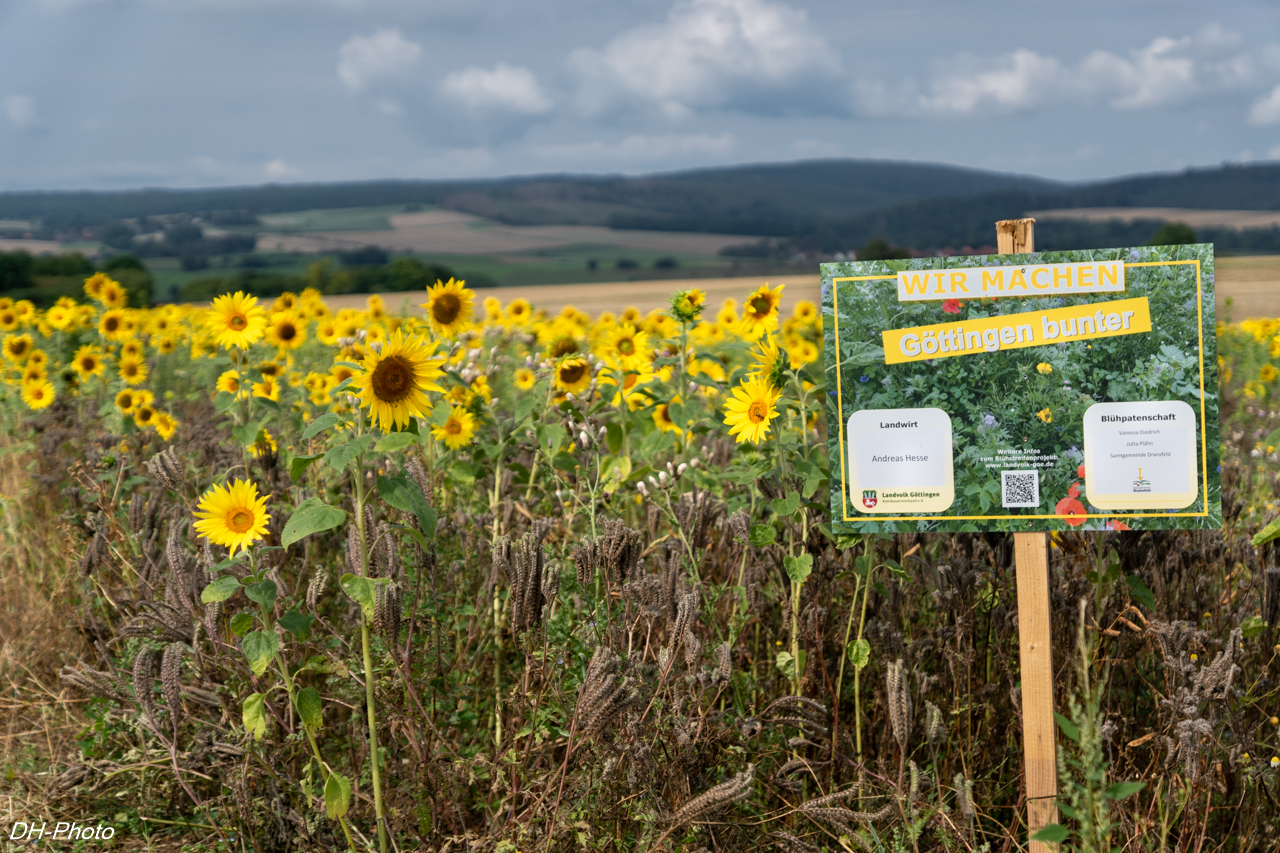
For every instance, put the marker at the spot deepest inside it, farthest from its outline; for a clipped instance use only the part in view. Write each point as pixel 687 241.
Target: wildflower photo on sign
pixel 1042 391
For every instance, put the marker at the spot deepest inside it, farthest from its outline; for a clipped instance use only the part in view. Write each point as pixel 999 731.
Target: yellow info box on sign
pixel 1073 279
pixel 1014 331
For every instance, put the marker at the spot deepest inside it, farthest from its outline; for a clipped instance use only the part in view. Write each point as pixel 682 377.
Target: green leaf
pixel 462 473
pixel 395 441
pixel 262 593
pixel 614 471
pixel 297 624
pixel 525 406
pixel 337 796
pixel 1120 790
pixel 312 516
pixel 1266 534
pixel 1140 592
pixel 242 623
pixel 254 715
pixel 350 364
pixel 259 648
pixel 1252 626
pixel 859 653
pixel 220 590
pixel 340 457
pixel 798 568
pixel 403 494
pixel 762 534
pixel 613 437
pixel 300 464
pixel 245 434
pixel 786 506
pixel 359 590
pixel 1054 833
pixel 310 708
pixel 223 401
pixel 1068 728
pixel 342 386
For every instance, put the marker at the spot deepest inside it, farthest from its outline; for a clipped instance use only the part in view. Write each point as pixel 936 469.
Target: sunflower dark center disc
pixel 288 332
pixel 240 520
pixel 626 346
pixel 760 306
pixel 573 373
pixel 453 427
pixel 564 346
pixel 757 411
pixel 392 380
pixel 445 308
pixel 238 322
pixel 112 324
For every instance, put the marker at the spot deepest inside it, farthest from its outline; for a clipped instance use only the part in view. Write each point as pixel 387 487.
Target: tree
pixel 15 269
pixel 878 249
pixel 1173 234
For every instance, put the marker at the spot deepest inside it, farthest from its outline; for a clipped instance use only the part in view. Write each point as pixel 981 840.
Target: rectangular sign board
pixel 1045 391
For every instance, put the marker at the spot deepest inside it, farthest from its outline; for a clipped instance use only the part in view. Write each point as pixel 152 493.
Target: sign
pixel 1042 391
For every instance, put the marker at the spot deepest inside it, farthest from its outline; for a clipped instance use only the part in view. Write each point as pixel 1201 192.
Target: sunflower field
pixel 277 578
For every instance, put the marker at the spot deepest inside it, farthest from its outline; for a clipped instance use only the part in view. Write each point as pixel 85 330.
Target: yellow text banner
pixel 1015 331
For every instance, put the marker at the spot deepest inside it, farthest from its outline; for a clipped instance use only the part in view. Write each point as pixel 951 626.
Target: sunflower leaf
pixel 312 516
pixel 321 423
pixel 259 648
pixel 340 457
pixel 395 441
pixel 254 715
pixel 299 464
pixel 359 590
pixel 404 494
pixel 220 590
pixel 337 796
pixel 310 708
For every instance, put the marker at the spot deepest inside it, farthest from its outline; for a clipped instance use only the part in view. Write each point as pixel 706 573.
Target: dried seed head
pixel 166 469
pixel 933 729
pixel 740 526
pixel 144 666
pixel 899 702
pixel 419 475
pixel 714 799
pixel 386 612
pixel 316 589
pixel 170 672
pixel 137 513
pixel 964 795
pixel 353 550
pixel 385 553
pixel 722 663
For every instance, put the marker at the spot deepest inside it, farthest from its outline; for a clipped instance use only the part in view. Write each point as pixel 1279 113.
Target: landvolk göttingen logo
pixel 869 498
pixel 1141 485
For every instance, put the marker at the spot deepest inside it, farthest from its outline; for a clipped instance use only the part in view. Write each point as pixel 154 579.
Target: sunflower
pixel 38 357
pixel 573 374
pixel 114 325
pixel 88 361
pixel 165 425
pixel 341 372
pixel 93 284
pixel 131 349
pixel 560 338
pixel 748 413
pixel 626 346
pixel 229 381
pixel 662 418
pixel 18 347
pixel 395 380
pixel 34 373
pixel 805 311
pixel 525 378
pixel 236 320
pixel 519 311
pixel 37 395
pixel 144 417
pixel 449 307
pixel 270 369
pixel 760 311
pixel 8 319
pixel 770 366
pixel 113 295
pixel 133 371
pixel 457 430
pixel 264 443
pixel 802 352
pixel 59 317
pixel 232 516
pixel 127 400
pixel 327 332
pixel 492 309
pixel 268 388
pixel 728 313
pixel 164 344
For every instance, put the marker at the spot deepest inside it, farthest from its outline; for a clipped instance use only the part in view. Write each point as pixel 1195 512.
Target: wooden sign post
pixel 1031 561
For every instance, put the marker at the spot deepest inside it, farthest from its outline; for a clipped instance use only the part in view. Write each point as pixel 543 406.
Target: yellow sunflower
pixel 131 349
pixel 457 430
pixel 802 352
pixel 164 344
pixel 662 418
pixel 748 412
pixel 37 395
pixel 33 373
pixel 88 361
pixel 573 374
pixel 236 320
pixel 8 319
pixel 805 311
pixel 449 307
pixel 396 379
pixel 519 311
pixel 18 347
pixel 229 381
pixel 165 425
pixel 127 400
pixel 769 365
pixel 760 311
pixel 268 388
pixel 233 516
pixel 133 371
pixel 626 346
pixel 525 378
pixel 113 295
pixel 93 284
pixel 144 417
pixel 114 325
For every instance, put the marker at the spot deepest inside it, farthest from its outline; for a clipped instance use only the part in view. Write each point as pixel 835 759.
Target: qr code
pixel 1020 488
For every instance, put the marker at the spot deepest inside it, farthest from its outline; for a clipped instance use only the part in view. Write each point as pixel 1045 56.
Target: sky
pixel 113 94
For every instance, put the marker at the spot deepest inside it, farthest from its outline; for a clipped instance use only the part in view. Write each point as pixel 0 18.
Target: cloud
pixel 1267 110
pixel 1165 71
pixel 385 54
pixel 708 54
pixel 505 88
pixel 278 169
pixel 21 111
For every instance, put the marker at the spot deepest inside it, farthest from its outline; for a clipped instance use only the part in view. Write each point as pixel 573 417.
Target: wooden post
pixel 1031 561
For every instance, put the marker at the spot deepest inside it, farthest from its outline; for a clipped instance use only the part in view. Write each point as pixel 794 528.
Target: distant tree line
pixel 403 273
pixel 183 240
pixel 45 279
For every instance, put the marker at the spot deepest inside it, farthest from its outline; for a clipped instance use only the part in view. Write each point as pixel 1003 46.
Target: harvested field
pixel 1193 217
pixel 450 232
pixel 1252 284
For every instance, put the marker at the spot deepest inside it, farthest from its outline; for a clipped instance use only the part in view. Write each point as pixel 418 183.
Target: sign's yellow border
pixel 1204 442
